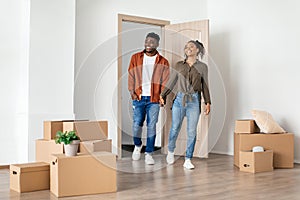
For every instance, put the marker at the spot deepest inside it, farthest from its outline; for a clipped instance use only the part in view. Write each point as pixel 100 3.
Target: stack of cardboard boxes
pixel 279 148
pixel 92 171
pixel 93 137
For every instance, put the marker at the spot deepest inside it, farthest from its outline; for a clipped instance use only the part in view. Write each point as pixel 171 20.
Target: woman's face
pixel 190 49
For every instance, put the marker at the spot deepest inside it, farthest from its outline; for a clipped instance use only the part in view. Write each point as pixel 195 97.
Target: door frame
pixel 140 20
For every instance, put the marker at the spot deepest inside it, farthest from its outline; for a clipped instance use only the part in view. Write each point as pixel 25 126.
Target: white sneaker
pixel 149 160
pixel 136 154
pixel 170 158
pixel 188 164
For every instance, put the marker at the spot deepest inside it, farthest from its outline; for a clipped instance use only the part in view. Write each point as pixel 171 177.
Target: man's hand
pixel 133 95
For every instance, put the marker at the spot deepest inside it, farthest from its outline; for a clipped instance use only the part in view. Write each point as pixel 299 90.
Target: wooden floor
pixel 212 179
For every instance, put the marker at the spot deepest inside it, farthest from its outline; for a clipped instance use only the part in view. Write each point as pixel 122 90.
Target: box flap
pixel 50 121
pixel 89 130
pixel 74 120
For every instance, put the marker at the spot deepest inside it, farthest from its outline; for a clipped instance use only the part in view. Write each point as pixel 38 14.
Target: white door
pixel 176 36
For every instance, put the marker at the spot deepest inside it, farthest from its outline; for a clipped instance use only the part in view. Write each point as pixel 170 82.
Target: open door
pixel 176 36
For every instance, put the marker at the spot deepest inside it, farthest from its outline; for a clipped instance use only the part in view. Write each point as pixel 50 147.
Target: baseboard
pixel 222 152
pixel 297 161
pixel 4 166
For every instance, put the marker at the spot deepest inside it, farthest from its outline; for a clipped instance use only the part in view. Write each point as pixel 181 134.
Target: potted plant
pixel 70 140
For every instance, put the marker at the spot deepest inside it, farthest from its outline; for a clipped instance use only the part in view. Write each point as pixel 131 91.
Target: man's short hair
pixel 153 35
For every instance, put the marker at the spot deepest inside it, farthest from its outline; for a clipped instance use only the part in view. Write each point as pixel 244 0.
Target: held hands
pixel 207 109
pixel 161 101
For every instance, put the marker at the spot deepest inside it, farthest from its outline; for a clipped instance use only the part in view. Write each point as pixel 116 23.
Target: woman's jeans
pixel 188 107
pixel 141 109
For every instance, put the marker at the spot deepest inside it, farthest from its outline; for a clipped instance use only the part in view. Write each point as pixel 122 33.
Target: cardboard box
pixel 88 130
pixel 95 145
pixel 50 129
pixel 83 174
pixel 30 177
pixel 44 149
pixel 256 161
pixel 282 145
pixel 246 126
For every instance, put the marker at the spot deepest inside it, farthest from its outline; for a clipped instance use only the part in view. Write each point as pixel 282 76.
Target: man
pixel 148 73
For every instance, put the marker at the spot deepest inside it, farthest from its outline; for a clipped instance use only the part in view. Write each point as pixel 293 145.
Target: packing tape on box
pixel 257 149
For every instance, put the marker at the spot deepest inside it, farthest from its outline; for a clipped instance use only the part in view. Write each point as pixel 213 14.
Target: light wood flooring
pixel 213 178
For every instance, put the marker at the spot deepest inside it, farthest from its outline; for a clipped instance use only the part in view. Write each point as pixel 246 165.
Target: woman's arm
pixel 171 83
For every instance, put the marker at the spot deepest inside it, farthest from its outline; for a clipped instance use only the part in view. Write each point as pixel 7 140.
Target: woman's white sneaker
pixel 170 158
pixel 188 164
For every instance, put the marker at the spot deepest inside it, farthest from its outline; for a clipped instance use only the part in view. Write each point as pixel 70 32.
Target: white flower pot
pixel 72 148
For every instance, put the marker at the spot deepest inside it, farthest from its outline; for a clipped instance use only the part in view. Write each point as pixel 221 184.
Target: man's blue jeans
pixel 191 110
pixel 141 109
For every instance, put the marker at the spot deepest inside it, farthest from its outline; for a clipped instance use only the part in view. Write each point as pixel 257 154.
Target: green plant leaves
pixel 66 137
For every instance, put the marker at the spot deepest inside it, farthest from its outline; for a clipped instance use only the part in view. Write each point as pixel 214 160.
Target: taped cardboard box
pixel 255 162
pixel 88 130
pixel 246 126
pixel 282 145
pixel 83 174
pixel 44 149
pixel 95 146
pixel 30 177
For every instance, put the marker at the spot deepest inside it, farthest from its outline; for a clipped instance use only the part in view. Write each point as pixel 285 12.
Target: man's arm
pixel 131 78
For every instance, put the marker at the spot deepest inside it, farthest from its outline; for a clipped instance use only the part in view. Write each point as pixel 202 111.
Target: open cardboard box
pixel 256 161
pixel 282 145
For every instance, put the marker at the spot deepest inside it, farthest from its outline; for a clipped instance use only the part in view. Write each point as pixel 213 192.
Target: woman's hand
pixel 207 109
pixel 161 101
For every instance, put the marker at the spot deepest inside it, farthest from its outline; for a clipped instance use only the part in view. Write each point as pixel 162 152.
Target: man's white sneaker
pixel 170 158
pixel 188 164
pixel 136 154
pixel 149 160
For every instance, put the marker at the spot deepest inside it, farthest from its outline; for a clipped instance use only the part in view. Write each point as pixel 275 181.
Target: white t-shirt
pixel 148 65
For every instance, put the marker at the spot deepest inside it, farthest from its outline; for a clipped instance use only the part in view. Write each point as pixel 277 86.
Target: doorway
pixel 132 33
pixel 173 39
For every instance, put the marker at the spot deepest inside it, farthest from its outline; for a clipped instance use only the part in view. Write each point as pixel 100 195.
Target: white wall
pixel 14 40
pixel 96 50
pixel 51 64
pixel 256 46
pixel 37 71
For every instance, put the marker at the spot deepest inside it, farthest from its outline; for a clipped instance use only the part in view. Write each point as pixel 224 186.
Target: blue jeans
pixel 191 110
pixel 141 109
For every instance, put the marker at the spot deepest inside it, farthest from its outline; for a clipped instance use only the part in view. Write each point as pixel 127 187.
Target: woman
pixel 188 79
